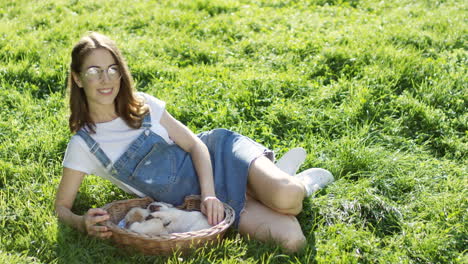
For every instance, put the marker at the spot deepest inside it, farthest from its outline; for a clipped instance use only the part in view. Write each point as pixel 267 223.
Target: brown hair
pixel 127 106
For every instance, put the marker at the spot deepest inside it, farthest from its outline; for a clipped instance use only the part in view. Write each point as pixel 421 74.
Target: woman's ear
pixel 77 79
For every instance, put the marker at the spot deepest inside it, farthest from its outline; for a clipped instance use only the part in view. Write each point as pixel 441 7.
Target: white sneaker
pixel 315 179
pixel 292 160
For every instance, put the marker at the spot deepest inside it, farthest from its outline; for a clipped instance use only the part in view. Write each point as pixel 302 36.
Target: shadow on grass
pixel 75 247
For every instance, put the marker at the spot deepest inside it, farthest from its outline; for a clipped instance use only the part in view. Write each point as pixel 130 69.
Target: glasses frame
pixel 85 74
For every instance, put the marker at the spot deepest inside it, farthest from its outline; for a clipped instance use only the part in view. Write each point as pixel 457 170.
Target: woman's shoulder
pixel 77 142
pixel 76 148
pixel 77 155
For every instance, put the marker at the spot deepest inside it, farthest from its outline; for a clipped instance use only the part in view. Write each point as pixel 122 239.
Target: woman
pixel 130 139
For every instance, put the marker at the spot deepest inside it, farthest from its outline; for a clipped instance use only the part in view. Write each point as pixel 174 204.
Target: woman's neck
pixel 103 114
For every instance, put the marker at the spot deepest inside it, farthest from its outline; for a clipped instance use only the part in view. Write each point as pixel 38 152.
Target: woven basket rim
pixel 182 236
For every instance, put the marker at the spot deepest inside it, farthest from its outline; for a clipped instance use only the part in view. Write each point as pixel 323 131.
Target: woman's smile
pixel 105 91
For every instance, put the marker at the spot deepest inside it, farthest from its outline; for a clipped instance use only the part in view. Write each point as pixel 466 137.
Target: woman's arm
pixel 66 194
pixel 188 141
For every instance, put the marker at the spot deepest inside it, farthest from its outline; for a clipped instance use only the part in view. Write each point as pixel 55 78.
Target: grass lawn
pixel 375 91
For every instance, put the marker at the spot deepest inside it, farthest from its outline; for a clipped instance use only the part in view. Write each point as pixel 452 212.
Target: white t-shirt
pixel 114 138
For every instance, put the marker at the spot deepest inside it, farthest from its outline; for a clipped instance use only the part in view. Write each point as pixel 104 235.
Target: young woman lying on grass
pixel 130 139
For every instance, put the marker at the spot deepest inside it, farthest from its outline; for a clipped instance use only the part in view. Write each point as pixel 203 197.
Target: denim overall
pixel 165 172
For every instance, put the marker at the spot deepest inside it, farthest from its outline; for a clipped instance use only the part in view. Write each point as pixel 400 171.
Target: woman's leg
pixel 275 188
pixel 264 224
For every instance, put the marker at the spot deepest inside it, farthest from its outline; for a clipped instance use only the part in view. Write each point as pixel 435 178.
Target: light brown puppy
pixel 136 214
pixel 140 221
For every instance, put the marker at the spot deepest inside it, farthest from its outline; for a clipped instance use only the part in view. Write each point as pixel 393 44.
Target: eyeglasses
pixel 94 73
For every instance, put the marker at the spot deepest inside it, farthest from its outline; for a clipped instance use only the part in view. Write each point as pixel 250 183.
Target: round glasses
pixel 95 73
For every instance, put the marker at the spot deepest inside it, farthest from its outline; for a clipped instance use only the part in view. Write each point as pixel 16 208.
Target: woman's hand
pixel 91 221
pixel 213 208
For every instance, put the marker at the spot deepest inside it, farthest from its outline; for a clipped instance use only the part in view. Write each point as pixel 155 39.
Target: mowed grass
pixel 375 91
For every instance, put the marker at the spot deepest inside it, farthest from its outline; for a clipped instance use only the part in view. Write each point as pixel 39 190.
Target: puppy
pixel 136 214
pixel 140 221
pixel 177 220
pixel 151 227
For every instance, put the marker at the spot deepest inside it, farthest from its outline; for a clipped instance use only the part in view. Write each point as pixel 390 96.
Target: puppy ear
pixel 165 224
pixel 149 217
pixel 154 208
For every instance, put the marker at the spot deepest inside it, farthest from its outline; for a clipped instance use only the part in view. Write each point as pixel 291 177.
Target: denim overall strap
pixel 146 121
pixel 95 149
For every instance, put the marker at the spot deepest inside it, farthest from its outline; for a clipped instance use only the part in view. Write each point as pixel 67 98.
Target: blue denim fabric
pixel 166 173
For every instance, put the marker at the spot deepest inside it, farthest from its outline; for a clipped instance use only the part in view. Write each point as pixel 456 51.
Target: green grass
pixel 376 91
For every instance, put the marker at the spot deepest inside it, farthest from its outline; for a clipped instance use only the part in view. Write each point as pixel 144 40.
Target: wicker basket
pixel 164 244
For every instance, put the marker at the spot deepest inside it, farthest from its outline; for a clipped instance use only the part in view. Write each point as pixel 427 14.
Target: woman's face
pixel 100 79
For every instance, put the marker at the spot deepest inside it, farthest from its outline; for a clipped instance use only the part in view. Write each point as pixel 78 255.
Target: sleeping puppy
pixel 177 220
pixel 136 214
pixel 151 227
pixel 139 220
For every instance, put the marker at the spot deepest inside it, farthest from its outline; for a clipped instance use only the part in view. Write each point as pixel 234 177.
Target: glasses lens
pixel 113 73
pixel 92 74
